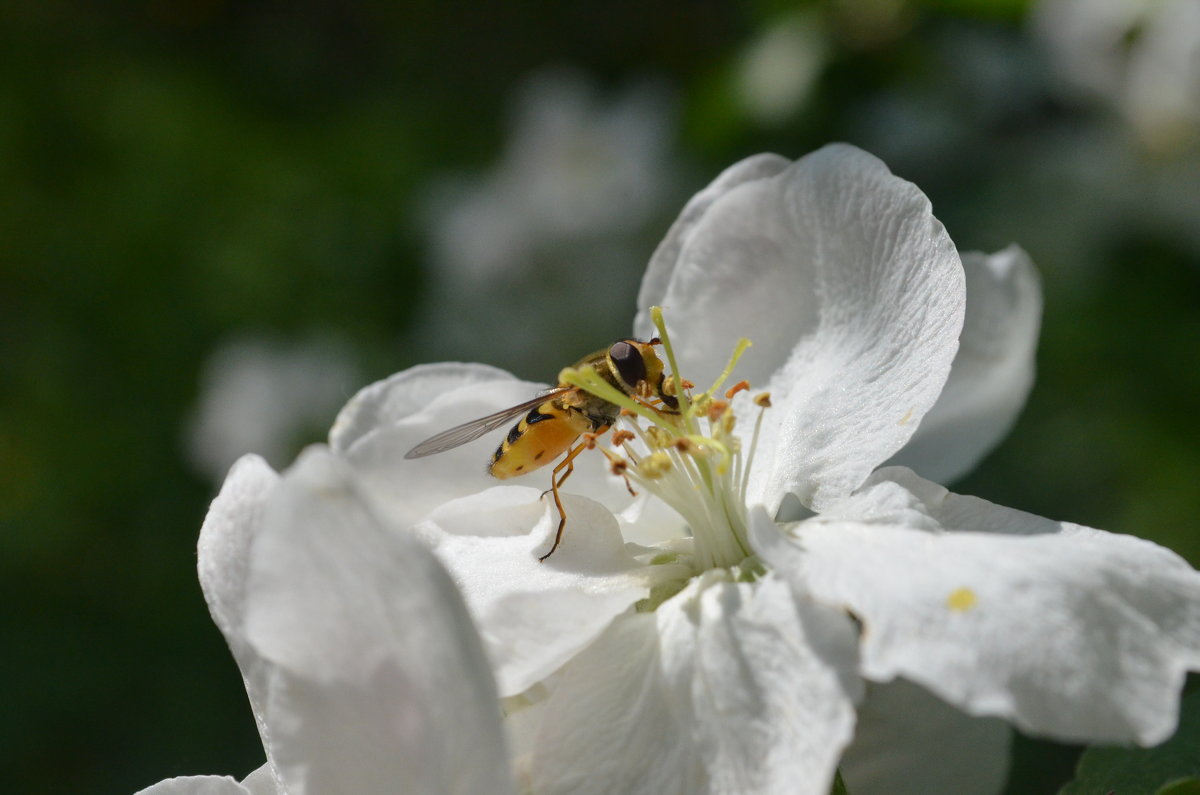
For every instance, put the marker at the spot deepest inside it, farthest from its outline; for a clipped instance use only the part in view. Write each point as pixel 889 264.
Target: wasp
pixel 555 420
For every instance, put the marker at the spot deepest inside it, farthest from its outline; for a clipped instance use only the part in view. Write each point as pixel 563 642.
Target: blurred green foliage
pixel 174 173
pixel 1139 771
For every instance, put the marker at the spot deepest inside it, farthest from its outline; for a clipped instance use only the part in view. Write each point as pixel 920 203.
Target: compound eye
pixel 628 361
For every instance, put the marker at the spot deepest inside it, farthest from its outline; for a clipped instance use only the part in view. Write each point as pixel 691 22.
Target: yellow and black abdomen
pixel 541 436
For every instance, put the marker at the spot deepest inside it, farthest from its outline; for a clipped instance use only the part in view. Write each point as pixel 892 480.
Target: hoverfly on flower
pixel 555 420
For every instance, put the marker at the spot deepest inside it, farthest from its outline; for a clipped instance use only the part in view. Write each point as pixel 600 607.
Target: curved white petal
pixel 908 742
pixel 649 521
pixel 852 293
pixel 992 373
pixel 378 680
pixel 1064 630
pixel 233 521
pixel 262 782
pixel 535 615
pixel 387 419
pixel 404 394
pixel 772 678
pixel 728 688
pixel 615 724
pixel 660 272
pixel 196 785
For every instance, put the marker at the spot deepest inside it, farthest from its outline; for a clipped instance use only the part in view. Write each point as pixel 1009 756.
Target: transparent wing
pixel 470 431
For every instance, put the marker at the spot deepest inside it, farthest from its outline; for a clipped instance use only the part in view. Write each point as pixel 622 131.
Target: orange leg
pixel 555 482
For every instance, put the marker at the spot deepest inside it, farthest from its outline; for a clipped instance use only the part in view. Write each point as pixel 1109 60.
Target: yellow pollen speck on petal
pixel 907 416
pixel 961 599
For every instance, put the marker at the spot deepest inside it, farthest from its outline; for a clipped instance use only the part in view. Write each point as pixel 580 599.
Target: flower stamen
pixel 702 475
pixel 740 386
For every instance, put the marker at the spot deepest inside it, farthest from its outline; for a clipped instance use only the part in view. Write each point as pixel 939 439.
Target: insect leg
pixel 568 464
pixel 588 443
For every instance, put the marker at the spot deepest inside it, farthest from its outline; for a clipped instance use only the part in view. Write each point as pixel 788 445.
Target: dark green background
pixel 176 173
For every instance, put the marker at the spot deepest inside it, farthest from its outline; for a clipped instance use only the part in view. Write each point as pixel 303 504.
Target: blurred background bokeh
pixel 219 219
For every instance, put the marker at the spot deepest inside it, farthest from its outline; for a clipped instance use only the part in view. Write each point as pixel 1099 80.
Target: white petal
pixel 909 742
pixel 772 679
pixel 386 420
pixel 379 682
pixel 614 724
pixel 234 519
pixel 196 785
pixel 660 271
pixel 728 688
pixel 649 521
pixel 850 290
pixel 533 615
pixel 262 782
pixel 992 373
pixel 404 394
pixel 1066 631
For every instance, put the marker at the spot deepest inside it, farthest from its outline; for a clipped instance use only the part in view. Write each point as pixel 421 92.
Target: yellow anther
pixel 657 437
pixel 695 447
pixel 654 466
pixel 763 400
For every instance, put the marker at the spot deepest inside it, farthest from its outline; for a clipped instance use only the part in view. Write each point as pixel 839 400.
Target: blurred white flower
pixel 267 397
pixel 778 70
pixel 772 608
pixel 551 238
pixel 1142 56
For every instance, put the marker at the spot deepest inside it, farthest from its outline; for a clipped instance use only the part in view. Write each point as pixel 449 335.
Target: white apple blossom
pixel 776 73
pixel 568 208
pixel 1142 56
pixel 772 608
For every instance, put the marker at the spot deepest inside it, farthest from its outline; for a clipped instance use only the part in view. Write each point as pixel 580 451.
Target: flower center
pixel 690 458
